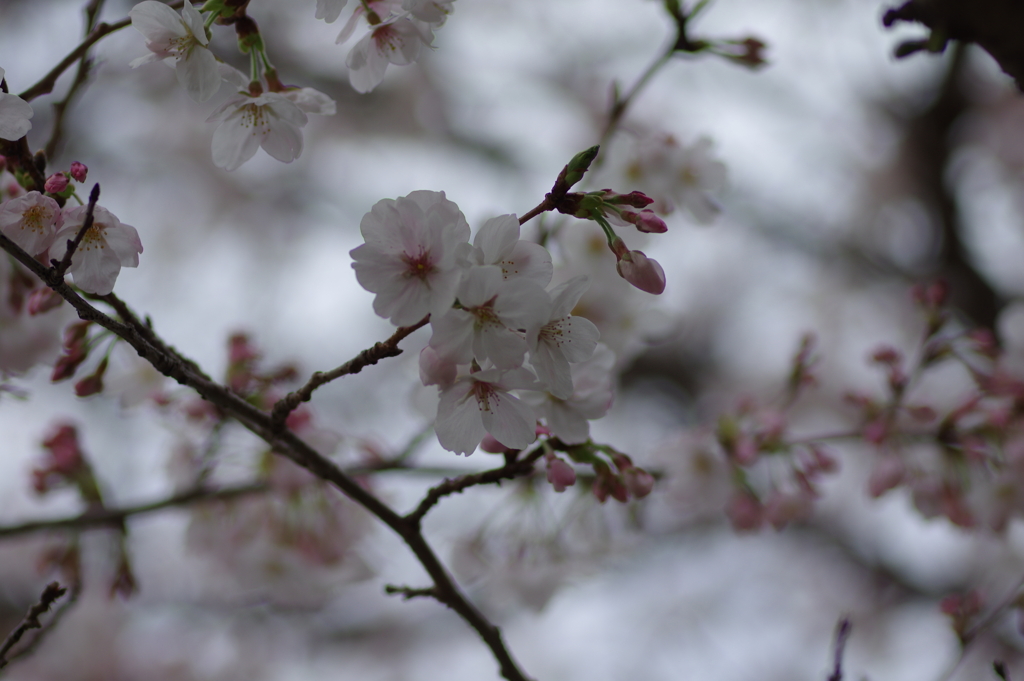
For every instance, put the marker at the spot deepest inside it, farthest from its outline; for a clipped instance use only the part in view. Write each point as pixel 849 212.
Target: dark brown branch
pixel 513 469
pixel 50 594
pixel 287 444
pixel 61 267
pixel 100 517
pixel 408 592
pixel 842 634
pixel 996 25
pixel 389 348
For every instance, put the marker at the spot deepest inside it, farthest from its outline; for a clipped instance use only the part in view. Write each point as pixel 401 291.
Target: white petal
pixel 199 74
pixel 234 144
pixel 366 65
pixel 15 113
pixel 458 427
pixel 284 141
pixel 194 20
pixel 510 420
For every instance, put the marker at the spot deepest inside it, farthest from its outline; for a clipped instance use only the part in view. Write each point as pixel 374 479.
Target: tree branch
pixel 285 443
pixel 50 594
pixel 512 469
pixel 389 348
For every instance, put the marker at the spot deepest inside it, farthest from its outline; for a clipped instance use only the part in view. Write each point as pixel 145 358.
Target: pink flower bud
pixel 560 474
pixel 43 300
pixel 74 334
pixel 745 512
pixel 643 272
pixel 887 473
pixel 78 171
pixel 638 481
pixel 66 366
pixel 492 446
pixel 634 199
pixel 56 183
pixel 647 221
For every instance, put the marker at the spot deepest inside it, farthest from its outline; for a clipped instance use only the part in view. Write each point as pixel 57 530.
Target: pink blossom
pixel 562 339
pixel 108 246
pixel 269 120
pixel 396 42
pixel 408 259
pixel 181 39
pixel 481 403
pixel 498 243
pixel 31 221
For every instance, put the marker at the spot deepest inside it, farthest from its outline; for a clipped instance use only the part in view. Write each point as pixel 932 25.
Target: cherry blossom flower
pixel 270 120
pixel 481 403
pixel 498 243
pixel 408 259
pixel 433 12
pixel 592 397
pixel 329 10
pixel 14 115
pixel 31 221
pixel 486 323
pixel 108 246
pixel 678 175
pixel 395 42
pixel 181 39
pixel 563 339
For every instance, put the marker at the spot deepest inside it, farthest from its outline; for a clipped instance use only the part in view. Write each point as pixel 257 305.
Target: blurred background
pixel 850 177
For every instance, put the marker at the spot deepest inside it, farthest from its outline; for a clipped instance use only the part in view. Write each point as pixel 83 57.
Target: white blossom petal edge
pixel 14 115
pixel 481 403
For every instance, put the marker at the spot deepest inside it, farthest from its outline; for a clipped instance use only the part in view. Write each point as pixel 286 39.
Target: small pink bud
pixel 560 474
pixel 66 366
pixel 886 354
pixel 78 171
pixel 43 300
pixel 633 199
pixel 643 272
pixel 745 512
pixel 886 474
pixel 93 383
pixel 647 221
pixel 875 431
pixel 74 334
pixel 56 183
pixel 492 446
pixel 638 481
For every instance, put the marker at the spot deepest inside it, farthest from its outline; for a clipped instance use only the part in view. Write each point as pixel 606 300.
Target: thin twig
pixel 51 593
pixel 408 592
pixel 58 615
pixel 389 348
pixel 513 469
pixel 46 83
pixel 59 268
pixel 842 634
pixel 116 516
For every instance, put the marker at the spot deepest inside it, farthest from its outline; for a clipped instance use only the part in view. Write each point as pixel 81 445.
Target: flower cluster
pixel 505 349
pixel 263 113
pixel 38 224
pixel 398 33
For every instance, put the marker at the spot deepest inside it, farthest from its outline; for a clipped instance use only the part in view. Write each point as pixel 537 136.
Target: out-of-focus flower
pixel 181 39
pixel 31 221
pixel 396 42
pixel 15 113
pixel 433 12
pixel 560 474
pixel 270 120
pixel 408 259
pixel 676 175
pixel 329 10
pixel 108 246
pixel 311 101
pixel 591 398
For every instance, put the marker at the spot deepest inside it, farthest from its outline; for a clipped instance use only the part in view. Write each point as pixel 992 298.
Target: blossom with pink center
pixel 270 120
pixel 31 221
pixel 486 323
pixel 562 339
pixel 14 115
pixel 498 243
pixel 108 246
pixel 592 396
pixel 408 259
pixel 481 403
pixel 395 42
pixel 182 40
